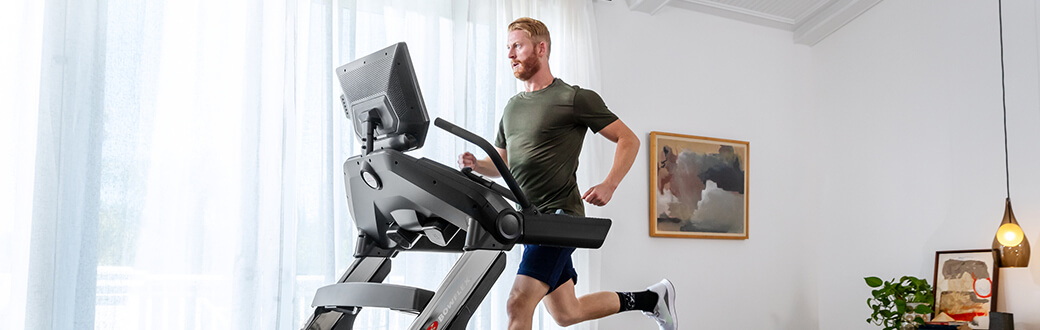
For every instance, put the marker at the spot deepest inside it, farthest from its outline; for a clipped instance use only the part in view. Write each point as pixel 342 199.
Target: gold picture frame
pixel 698 186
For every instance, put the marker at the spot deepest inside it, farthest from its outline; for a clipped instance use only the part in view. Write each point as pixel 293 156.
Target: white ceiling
pixel 809 20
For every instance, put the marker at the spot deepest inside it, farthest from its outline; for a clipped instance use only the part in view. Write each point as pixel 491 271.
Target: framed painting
pixel 698 187
pixel 965 286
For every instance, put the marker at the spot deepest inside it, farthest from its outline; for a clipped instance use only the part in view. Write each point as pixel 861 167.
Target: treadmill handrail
pixel 363 294
pixel 500 164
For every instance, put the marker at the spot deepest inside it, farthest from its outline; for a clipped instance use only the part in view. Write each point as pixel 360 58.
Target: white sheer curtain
pixel 176 164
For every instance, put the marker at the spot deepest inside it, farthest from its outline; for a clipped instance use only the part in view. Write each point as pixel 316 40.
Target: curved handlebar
pixel 495 158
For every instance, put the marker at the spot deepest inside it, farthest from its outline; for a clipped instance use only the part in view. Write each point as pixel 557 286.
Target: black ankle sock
pixel 643 301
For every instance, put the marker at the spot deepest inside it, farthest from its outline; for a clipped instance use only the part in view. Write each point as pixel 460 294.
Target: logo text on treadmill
pixel 455 299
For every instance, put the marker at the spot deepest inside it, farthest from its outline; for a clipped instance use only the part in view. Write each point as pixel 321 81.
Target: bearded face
pixel 525 69
pixel 523 55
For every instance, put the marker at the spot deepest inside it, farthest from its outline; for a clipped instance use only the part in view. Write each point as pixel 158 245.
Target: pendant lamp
pixel 1010 241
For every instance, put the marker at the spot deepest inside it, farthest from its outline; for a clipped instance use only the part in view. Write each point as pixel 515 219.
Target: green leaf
pixel 890 300
pixel 873 281
pixel 922 309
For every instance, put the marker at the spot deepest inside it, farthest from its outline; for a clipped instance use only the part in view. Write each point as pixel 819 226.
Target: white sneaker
pixel 664 312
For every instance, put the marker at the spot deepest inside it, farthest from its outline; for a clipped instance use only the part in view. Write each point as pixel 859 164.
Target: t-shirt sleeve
pixel 592 111
pixel 500 138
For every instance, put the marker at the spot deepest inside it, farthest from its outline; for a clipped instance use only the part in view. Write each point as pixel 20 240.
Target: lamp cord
pixel 1003 95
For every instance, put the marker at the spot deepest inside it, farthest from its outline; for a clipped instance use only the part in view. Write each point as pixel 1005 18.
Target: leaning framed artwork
pixel 965 283
pixel 698 187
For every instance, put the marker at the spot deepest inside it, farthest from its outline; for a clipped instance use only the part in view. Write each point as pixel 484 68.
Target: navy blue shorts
pixel 549 264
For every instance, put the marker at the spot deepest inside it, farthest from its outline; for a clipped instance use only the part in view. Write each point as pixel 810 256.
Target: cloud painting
pixel 700 186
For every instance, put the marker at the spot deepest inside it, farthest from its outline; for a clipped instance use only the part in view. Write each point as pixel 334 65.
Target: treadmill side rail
pixel 565 230
pixel 364 269
pixel 353 294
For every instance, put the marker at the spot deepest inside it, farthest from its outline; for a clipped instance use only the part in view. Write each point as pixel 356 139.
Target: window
pixel 177 164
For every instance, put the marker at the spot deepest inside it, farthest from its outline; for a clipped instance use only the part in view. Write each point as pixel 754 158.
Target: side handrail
pixel 500 164
pixel 565 230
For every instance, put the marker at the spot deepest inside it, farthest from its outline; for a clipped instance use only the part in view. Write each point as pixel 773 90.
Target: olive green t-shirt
pixel 542 132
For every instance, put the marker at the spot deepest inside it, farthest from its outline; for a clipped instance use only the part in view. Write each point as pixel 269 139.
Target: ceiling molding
pixel 820 24
pixel 809 22
pixel 740 14
pixel 647 6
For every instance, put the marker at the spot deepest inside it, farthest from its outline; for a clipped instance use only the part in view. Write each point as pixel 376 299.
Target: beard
pixel 527 68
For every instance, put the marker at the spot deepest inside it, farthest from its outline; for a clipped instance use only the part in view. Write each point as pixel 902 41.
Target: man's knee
pixel 566 317
pixel 521 303
pixel 565 310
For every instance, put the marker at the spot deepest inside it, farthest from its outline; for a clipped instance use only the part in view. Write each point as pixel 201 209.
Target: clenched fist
pixel 599 194
pixel 467 159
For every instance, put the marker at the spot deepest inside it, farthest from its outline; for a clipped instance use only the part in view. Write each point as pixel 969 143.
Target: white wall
pixel 909 105
pixel 684 72
pixel 869 152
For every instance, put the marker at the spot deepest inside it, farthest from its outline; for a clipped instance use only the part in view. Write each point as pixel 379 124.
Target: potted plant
pixel 899 305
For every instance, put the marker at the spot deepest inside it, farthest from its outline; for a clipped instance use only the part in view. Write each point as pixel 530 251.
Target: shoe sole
pixel 670 301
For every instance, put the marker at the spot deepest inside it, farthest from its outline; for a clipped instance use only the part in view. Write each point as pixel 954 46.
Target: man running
pixel 540 136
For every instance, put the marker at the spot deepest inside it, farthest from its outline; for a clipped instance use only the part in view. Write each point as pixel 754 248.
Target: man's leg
pixel 567 309
pixel 657 302
pixel 523 299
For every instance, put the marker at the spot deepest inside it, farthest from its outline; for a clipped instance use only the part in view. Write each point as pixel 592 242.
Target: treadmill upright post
pixel 371 121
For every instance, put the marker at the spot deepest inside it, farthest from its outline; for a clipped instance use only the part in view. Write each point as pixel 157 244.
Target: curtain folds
pixel 177 164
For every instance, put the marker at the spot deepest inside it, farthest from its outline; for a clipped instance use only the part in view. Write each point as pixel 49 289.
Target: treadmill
pixel 399 203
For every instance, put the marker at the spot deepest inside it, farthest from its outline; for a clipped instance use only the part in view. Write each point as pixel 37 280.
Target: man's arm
pixel 484 166
pixel 624 156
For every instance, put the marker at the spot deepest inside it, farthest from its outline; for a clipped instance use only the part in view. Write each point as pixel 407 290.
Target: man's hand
pixel 624 155
pixel 484 166
pixel 467 159
pixel 599 194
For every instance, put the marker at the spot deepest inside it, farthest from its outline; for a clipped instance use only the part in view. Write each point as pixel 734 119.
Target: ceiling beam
pixel 829 19
pixel 647 6
pixel 808 29
pixel 736 13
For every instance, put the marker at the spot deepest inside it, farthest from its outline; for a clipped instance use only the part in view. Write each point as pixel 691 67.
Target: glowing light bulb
pixel 1009 234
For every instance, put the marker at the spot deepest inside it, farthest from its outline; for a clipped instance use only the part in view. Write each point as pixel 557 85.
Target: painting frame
pixel 942 287
pixel 674 196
